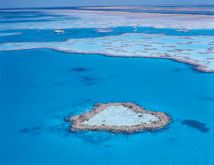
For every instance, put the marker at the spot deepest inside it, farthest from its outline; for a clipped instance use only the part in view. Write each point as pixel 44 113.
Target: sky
pixel 68 3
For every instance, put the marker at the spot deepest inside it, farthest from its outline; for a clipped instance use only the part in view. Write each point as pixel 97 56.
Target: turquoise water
pixel 48 35
pixel 40 87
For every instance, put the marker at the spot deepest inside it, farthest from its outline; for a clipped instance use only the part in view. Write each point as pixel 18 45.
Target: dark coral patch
pixel 172 139
pixel 79 69
pixel 25 130
pixel 208 98
pixel 197 125
pixel 31 131
pixel 177 70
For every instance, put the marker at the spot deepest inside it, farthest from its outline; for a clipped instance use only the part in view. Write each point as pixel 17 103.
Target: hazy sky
pixel 50 3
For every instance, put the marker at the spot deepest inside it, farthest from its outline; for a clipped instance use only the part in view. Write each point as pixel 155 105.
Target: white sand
pixel 120 116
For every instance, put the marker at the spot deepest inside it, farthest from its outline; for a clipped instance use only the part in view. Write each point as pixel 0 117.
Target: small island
pixel 119 118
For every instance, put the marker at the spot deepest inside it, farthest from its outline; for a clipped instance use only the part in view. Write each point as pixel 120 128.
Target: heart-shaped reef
pixel 120 118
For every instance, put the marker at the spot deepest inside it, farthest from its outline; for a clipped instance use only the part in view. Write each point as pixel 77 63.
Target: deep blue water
pixel 38 88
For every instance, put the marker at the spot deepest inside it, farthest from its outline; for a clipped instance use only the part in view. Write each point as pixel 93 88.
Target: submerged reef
pixel 118 118
pixel 196 124
pixel 32 131
pixel 79 69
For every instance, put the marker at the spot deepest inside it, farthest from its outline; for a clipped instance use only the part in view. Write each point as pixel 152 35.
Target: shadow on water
pixel 197 125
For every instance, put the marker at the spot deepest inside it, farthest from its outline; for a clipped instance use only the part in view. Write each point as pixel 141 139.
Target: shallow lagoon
pixel 40 87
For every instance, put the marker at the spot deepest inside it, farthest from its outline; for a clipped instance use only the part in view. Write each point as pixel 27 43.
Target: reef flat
pixel 119 118
pixel 197 50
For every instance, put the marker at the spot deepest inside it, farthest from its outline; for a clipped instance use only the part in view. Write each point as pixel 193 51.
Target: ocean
pixel 40 87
